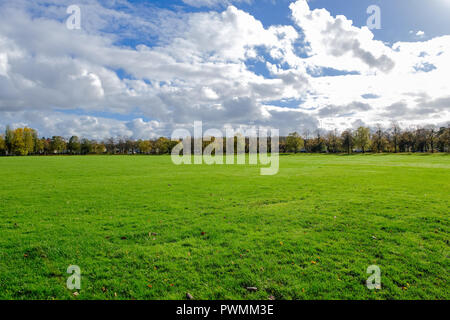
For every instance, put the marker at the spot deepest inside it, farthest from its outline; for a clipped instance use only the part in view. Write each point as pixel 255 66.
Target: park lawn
pixel 309 232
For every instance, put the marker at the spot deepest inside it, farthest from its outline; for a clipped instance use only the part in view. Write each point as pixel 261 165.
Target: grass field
pixel 309 232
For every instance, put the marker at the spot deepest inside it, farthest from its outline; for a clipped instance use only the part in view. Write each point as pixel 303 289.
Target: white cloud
pixel 92 127
pixel 387 74
pixel 334 42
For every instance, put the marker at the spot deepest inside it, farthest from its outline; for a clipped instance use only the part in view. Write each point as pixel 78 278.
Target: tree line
pixel 363 139
pixel 25 141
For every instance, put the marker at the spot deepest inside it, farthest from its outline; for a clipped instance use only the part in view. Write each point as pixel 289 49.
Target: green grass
pixel 309 232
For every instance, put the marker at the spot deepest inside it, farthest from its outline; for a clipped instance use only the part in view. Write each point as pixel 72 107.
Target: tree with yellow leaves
pixel 362 138
pixel 144 146
pixel 18 143
pixel 28 138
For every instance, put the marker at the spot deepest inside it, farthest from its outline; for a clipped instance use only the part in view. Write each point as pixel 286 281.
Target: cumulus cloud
pixel 51 123
pixel 337 38
pixel 340 111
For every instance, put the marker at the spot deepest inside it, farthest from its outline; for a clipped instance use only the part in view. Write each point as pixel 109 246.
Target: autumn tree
pixel 347 140
pixel 444 139
pixel 98 148
pixel 431 137
pixel 39 145
pixel 282 145
pixel 47 146
pixel 162 145
pixel 420 140
pixel 110 146
pixel 406 141
pixel 86 146
pixel 332 141
pixel 130 146
pixel 294 143
pixel 74 145
pixel 379 141
pixel 28 138
pixel 58 145
pixel 317 144
pixel 362 138
pixel 18 143
pixel 144 146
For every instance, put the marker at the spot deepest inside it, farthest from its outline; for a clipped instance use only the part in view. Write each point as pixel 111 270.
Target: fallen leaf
pixel 76 294
pixel 189 296
pixel 252 289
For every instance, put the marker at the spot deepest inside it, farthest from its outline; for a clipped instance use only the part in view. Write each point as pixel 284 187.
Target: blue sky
pixel 399 17
pixel 144 68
